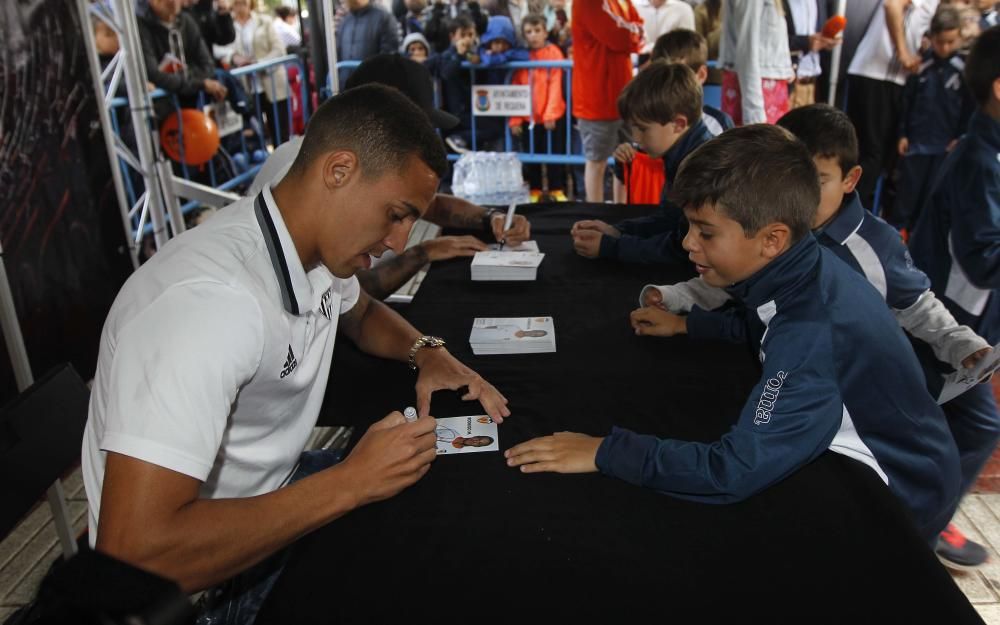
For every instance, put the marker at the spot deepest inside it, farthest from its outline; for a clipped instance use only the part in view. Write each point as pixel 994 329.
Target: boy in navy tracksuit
pixel 822 334
pixel 875 250
pixel 935 111
pixel 662 107
pixel 456 86
pixel 957 242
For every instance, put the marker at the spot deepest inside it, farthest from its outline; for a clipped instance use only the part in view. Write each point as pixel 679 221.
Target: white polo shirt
pixel 215 356
pixel 876 57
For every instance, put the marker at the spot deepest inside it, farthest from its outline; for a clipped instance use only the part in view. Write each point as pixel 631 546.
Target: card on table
pixel 512 335
pixel 465 435
pixel 506 265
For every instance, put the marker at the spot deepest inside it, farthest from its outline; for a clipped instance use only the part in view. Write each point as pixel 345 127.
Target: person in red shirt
pixel 548 109
pixel 605 34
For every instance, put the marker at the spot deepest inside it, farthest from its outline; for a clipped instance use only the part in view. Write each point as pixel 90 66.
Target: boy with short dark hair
pixel 691 49
pixel 957 242
pixel 822 335
pixel 456 88
pixel 662 107
pixel 677 46
pixel 873 249
pixel 936 108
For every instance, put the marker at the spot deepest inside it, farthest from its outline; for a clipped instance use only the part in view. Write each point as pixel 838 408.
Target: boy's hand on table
pixel 520 228
pixel 653 298
pixel 596 224
pixel 440 370
pixel 973 359
pixel 653 321
pixel 563 452
pixel 587 236
pixel 587 243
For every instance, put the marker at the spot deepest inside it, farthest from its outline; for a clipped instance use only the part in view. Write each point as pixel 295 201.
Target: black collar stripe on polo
pixel 277 254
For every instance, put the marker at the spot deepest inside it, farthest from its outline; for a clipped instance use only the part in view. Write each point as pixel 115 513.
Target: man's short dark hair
pixel 946 18
pixel 826 131
pixel 661 92
pixel 283 12
pixel 380 125
pixel 533 19
pixel 756 175
pixel 460 22
pixel 982 67
pixel 681 46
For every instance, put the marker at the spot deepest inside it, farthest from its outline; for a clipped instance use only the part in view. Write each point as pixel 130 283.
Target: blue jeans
pixel 238 600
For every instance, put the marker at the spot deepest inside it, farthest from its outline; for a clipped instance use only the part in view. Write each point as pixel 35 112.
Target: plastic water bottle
pixel 458 176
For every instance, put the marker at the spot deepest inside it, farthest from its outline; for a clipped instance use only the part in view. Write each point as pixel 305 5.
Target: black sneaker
pixel 958 552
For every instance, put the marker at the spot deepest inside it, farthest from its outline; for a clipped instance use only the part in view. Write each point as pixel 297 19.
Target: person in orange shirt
pixel 548 109
pixel 605 34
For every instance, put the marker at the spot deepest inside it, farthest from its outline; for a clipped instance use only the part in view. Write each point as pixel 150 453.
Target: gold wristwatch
pixel 423 341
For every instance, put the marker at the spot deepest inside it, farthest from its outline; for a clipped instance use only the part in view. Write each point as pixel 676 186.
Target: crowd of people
pixel 769 201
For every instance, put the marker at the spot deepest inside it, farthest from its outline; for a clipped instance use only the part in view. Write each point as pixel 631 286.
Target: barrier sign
pixel 501 100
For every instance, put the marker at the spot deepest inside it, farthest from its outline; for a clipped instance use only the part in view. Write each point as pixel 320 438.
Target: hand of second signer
pixel 520 228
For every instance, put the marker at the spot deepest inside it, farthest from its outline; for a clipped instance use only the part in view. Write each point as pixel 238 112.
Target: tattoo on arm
pixel 383 280
pixel 451 212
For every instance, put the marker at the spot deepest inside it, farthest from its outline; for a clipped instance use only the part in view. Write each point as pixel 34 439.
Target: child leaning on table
pixel 874 249
pixel 957 242
pixel 823 336
pixel 662 108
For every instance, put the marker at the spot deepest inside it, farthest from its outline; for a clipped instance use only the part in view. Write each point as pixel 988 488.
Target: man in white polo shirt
pixel 215 356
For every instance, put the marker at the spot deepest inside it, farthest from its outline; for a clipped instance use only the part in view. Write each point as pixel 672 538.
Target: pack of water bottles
pixel 490 178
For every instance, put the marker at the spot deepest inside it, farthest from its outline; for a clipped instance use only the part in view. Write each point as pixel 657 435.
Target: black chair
pixel 41 432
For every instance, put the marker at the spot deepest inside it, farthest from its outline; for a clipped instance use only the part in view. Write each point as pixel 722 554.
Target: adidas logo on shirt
pixel 290 363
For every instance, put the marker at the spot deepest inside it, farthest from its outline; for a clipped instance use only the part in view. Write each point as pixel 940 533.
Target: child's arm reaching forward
pixel 683 296
pixel 927 319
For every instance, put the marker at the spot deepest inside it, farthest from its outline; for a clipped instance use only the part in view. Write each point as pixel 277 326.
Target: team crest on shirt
pixel 324 304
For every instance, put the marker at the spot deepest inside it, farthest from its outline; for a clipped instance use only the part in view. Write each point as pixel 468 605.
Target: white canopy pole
pixel 835 60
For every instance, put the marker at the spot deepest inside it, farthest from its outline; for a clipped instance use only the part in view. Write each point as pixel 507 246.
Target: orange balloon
pixel 834 25
pixel 195 132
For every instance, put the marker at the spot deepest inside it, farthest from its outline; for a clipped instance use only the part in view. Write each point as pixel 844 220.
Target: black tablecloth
pixel 478 541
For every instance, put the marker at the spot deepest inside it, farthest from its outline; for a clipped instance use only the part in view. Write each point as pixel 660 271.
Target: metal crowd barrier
pixel 241 163
pixel 573 152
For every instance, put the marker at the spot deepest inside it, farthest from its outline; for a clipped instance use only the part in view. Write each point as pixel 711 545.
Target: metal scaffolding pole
pixel 331 46
pixel 101 92
pixel 157 201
